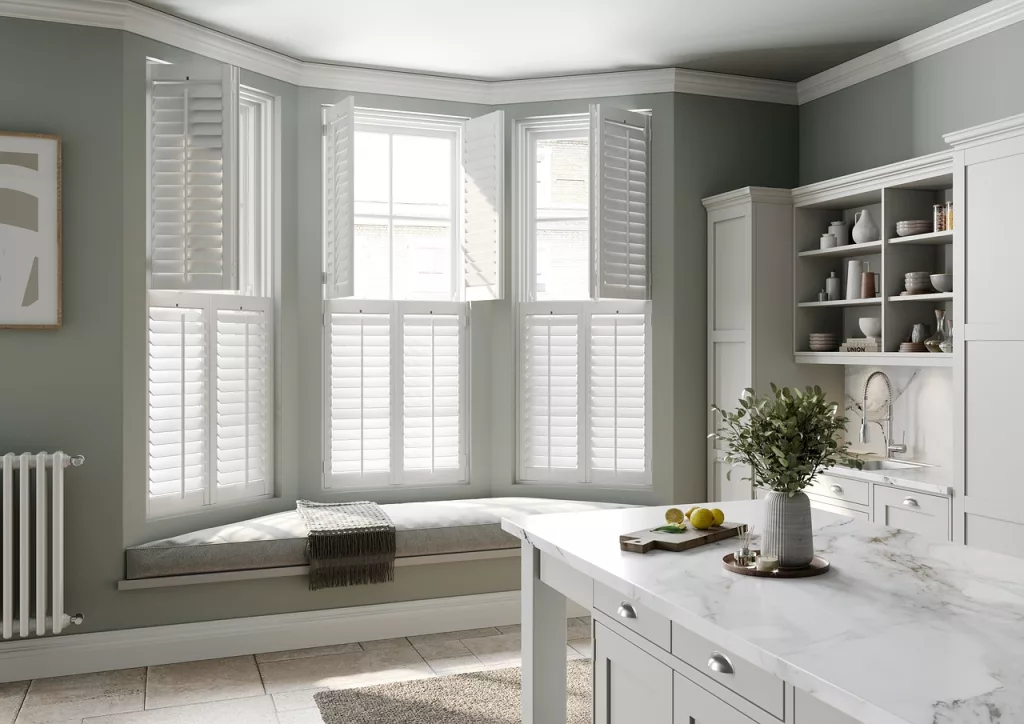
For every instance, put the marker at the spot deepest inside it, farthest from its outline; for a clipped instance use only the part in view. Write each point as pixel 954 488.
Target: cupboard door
pixel 927 515
pixel 695 705
pixel 630 686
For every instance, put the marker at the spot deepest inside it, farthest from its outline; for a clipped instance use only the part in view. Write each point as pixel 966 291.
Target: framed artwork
pixel 30 231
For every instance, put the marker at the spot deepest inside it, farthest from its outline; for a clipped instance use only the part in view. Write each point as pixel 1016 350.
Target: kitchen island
pixel 902 630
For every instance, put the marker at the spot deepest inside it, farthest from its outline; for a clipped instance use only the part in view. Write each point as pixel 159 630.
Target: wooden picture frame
pixel 30 231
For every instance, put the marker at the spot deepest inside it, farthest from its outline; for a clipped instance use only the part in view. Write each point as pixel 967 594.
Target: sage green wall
pixel 905 112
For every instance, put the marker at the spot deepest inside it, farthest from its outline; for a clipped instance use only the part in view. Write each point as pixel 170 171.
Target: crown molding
pixel 986 133
pixel 748 194
pixel 982 20
pixel 895 174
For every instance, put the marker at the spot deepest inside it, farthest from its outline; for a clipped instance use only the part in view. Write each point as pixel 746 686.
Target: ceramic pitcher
pixel 865 229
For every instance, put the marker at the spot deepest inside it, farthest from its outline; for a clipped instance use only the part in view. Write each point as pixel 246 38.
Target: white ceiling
pixel 490 40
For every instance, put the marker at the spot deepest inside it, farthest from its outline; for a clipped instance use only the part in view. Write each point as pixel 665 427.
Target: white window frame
pixel 253 192
pixel 524 225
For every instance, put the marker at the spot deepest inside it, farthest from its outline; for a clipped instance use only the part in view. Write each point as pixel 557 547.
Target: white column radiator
pixel 33 544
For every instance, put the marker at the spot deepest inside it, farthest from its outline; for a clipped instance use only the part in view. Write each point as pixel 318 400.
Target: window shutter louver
pixel 620 208
pixel 483 231
pixel 618 398
pixel 243 414
pixel 192 120
pixel 550 435
pixel 339 199
pixel 359 384
pixel 178 414
pixel 431 393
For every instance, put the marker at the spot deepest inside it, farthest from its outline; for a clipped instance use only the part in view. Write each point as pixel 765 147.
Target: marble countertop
pixel 926 479
pixel 902 630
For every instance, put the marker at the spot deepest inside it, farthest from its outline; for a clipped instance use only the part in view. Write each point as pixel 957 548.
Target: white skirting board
pixel 84 653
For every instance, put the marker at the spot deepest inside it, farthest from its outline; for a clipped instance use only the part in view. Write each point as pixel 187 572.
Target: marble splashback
pixel 922 405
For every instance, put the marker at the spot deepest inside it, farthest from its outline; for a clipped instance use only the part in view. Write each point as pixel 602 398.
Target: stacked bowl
pixel 824 342
pixel 918 282
pixel 912 228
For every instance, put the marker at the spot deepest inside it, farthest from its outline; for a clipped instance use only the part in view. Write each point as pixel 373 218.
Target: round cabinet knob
pixel 719 663
pixel 837 489
pixel 626 611
pixel 910 503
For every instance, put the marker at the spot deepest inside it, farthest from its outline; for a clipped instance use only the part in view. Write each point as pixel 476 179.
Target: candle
pixel 767 563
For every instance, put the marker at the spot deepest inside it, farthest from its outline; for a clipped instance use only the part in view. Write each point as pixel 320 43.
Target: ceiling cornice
pixel 982 20
pixel 133 18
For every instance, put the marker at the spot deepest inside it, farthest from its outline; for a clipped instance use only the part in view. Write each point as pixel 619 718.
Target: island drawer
pixel 845 489
pixel 753 683
pixel 927 515
pixel 632 615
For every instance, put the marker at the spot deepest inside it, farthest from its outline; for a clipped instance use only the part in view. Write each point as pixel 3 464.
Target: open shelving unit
pixel 900 192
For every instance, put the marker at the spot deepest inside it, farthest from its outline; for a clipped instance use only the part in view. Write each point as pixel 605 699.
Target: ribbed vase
pixel 787 532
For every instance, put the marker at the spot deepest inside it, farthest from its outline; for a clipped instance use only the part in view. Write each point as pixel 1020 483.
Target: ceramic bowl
pixel 917 275
pixel 942 282
pixel 870 326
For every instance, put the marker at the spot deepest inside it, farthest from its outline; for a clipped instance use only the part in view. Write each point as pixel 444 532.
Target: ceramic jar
pixel 841 231
pixel 828 241
pixel 788 534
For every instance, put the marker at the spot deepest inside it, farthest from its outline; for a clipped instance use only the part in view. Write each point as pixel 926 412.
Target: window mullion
pixel 398 397
pixel 210 394
pixel 584 426
pixel 391 216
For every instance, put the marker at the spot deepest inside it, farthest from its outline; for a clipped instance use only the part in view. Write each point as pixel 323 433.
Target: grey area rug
pixel 478 697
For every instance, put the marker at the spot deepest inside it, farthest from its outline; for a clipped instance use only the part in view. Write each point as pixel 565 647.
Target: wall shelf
pixel 874 301
pixel 934 238
pixel 865 249
pixel 934 297
pixel 877 359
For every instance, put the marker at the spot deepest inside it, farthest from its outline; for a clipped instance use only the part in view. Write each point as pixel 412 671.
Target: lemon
pixel 674 515
pixel 702 519
pixel 719 516
pixel 690 511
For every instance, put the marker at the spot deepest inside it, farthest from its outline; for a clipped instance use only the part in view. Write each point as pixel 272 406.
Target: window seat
pixel 437 528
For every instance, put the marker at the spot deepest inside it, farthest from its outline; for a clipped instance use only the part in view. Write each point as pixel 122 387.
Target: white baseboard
pixel 84 653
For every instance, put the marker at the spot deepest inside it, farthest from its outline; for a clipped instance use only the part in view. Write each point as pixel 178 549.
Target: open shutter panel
pixel 339 194
pixel 620 206
pixel 178 415
pixel 551 397
pixel 192 119
pixel 482 243
pixel 243 413
pixel 359 388
pixel 618 398
pixel 431 395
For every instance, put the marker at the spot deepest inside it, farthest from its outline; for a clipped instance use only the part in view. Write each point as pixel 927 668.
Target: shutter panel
pixel 431 393
pixel 620 203
pixel 178 413
pixel 192 119
pixel 243 414
pixel 483 232
pixel 359 384
pixel 550 389
pixel 618 398
pixel 339 195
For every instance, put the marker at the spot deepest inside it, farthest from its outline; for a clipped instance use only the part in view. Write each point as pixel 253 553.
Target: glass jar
pixel 949 216
pixel 947 343
pixel 934 343
pixel 939 217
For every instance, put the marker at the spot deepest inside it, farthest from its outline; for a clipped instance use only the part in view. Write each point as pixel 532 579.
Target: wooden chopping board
pixel 643 541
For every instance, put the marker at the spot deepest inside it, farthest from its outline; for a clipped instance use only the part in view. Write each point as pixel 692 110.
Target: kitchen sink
pixel 890 465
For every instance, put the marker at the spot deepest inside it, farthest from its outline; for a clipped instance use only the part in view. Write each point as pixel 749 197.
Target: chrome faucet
pixel 890 449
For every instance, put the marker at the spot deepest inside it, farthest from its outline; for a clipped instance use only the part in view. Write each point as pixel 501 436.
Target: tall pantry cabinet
pixel 989 334
pixel 750 318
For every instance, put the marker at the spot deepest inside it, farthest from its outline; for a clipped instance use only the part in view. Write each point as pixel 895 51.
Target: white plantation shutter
pixel 620 203
pixel 178 421
pixel 550 386
pixel 243 402
pixel 339 199
pixel 192 121
pixel 483 167
pixel 618 398
pixel 432 375
pixel 359 386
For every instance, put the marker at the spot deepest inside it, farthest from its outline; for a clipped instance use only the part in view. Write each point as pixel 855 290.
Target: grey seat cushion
pixel 273 541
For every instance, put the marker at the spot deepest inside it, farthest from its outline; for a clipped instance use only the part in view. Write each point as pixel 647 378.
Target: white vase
pixel 841 231
pixel 788 534
pixel 865 229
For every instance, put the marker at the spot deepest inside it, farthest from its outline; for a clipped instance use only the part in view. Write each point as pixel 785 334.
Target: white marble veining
pixel 902 630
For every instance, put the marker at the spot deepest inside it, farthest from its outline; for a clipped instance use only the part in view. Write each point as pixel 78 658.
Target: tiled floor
pixel 272 688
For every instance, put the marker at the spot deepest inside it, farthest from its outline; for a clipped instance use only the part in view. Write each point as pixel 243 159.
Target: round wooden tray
pixel 818 566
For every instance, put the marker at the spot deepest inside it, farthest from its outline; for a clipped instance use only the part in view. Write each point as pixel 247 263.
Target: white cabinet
pixel 927 515
pixel 694 705
pixel 809 710
pixel 750 325
pixel 630 685
pixel 989 334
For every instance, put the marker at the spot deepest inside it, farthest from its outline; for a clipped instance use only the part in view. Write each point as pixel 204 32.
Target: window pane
pixel 423 260
pixel 423 176
pixel 561 214
pixel 372 267
pixel 373 166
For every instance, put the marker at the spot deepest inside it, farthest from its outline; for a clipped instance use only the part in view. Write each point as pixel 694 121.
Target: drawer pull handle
pixel 910 503
pixel 626 611
pixel 720 663
pixel 837 489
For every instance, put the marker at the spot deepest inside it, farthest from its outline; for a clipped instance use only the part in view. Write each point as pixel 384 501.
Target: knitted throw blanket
pixel 348 544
